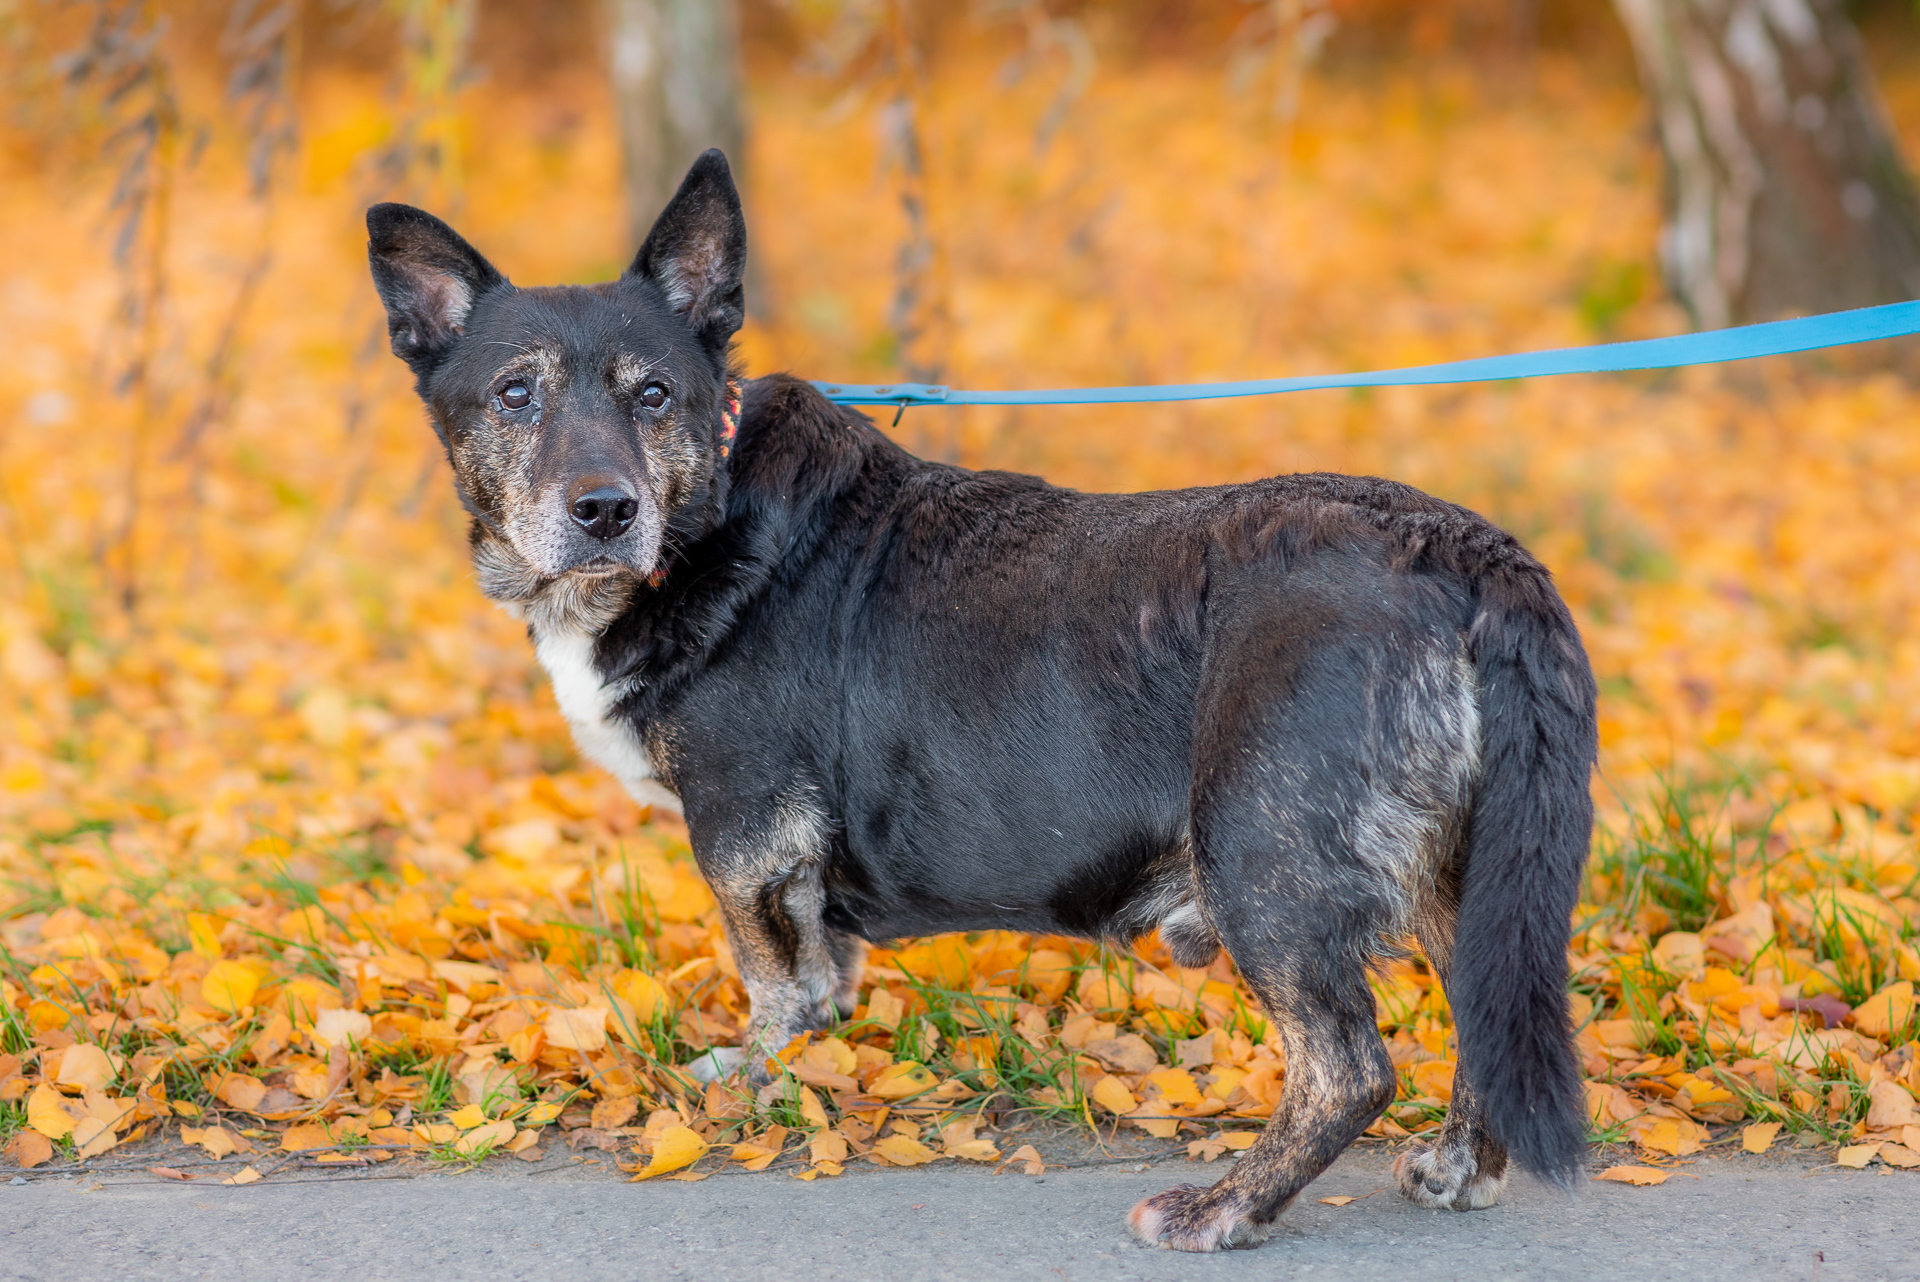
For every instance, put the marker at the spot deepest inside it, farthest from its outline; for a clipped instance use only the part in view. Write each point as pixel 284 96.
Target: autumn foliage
pixel 295 852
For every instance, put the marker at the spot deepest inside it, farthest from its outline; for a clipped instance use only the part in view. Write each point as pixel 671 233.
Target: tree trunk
pixel 1786 193
pixel 676 86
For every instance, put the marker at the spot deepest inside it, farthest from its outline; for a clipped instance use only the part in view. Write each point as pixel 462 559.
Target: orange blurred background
pixel 233 592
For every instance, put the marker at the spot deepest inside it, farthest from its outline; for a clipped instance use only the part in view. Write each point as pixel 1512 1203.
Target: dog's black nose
pixel 605 511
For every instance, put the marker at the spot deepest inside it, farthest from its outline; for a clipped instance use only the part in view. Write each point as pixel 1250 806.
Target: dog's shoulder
pixel 796 443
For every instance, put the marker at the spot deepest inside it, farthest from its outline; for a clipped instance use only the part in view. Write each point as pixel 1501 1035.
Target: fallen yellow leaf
pixel 467 1117
pixel 1176 1086
pixel 204 935
pixel 229 986
pixel 29 1148
pixel 462 976
pixel 1111 1094
pixel 1889 1107
pixel 1028 1155
pixel 758 1153
pixel 677 1147
pixel 884 1008
pixel 86 1066
pixel 902 1081
pixel 584 1029
pixel 1636 1175
pixel 1887 1011
pixel 217 1141
pixel 973 1150
pixel 1758 1137
pixel 1676 1137
pixel 1435 1077
pixel 307 1135
pixel 48 1113
pixel 246 1175
pixel 1338 1201
pixel 899 1150
pixel 243 1092
pixel 610 1114
pixel 483 1139
pixel 342 1027
pixel 1048 973
pixel 642 992
pixel 1857 1155
pixel 541 1114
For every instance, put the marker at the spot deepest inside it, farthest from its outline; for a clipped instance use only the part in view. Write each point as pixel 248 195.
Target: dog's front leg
pixel 771 886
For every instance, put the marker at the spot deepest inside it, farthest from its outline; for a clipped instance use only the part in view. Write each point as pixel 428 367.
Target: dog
pixel 1298 718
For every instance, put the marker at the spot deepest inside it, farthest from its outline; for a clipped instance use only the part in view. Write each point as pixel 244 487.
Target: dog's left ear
pixel 697 252
pixel 429 277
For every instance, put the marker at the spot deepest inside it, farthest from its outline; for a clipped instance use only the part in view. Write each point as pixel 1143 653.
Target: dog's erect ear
pixel 428 277
pixel 697 251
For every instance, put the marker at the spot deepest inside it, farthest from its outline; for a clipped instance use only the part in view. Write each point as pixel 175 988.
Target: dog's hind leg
pixel 1331 766
pixel 1338 1076
pixel 1301 913
pixel 1465 1168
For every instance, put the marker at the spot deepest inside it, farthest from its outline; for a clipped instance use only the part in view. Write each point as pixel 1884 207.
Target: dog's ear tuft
pixel 429 279
pixel 697 252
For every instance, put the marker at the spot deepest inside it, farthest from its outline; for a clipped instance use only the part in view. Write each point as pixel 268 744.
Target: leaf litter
pixel 297 860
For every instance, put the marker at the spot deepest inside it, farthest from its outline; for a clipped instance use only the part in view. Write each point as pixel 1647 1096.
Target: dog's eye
pixel 653 395
pixel 516 396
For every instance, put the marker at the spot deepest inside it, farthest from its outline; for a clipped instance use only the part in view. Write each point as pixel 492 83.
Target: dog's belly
pixel 1117 889
pixel 587 701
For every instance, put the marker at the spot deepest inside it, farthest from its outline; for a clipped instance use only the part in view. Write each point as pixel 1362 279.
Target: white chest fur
pixel 586 700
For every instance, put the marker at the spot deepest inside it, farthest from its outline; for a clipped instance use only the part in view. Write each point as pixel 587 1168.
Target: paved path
pixel 1739 1222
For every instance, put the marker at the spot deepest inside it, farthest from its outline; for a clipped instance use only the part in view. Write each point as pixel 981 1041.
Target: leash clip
pixel 901 395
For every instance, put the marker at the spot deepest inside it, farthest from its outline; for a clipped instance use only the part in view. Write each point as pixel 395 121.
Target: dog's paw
pixel 716 1063
pixel 1439 1178
pixel 1191 1218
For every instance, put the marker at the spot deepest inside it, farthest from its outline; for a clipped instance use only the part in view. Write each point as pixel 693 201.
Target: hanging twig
pixel 123 64
pixel 257 41
pixel 918 315
pixel 422 164
pixel 1049 35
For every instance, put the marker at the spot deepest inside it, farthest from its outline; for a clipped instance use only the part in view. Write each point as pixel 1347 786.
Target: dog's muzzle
pixel 594 522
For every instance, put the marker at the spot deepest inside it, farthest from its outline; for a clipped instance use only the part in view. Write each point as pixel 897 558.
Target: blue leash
pixel 1743 342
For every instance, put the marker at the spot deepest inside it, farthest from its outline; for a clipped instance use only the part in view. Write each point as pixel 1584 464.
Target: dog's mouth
pixel 600 567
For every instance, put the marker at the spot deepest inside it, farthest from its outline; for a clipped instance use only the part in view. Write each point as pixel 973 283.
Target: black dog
pixel 1298 718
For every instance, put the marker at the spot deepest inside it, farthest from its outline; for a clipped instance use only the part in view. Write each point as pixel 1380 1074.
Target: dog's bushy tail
pixel 1526 848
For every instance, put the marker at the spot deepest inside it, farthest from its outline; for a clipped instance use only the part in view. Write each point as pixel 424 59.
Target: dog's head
pixel 587 425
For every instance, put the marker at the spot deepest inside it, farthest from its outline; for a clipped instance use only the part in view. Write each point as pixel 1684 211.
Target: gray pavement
pixel 1740 1220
